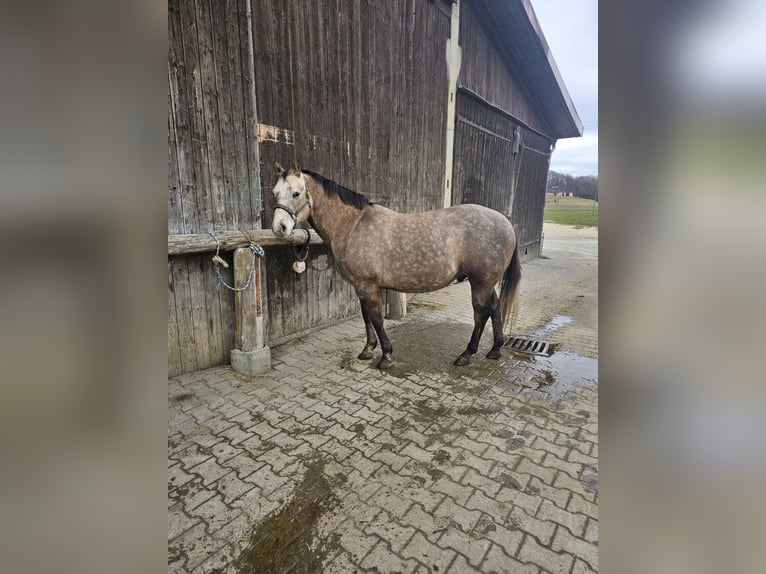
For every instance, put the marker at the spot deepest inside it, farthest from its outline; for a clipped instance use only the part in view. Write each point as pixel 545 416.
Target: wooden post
pixel 252 357
pixel 396 304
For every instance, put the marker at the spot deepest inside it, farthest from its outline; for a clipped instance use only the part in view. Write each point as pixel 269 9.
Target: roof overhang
pixel 513 27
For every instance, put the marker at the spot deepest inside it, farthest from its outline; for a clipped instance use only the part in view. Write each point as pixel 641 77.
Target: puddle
pixel 551 326
pixel 283 541
pixel 429 347
pixel 554 378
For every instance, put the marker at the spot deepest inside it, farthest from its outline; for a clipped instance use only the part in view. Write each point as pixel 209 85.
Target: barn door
pixel 485 166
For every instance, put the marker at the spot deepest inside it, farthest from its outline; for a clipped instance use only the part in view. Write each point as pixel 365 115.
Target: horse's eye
pixel 296 193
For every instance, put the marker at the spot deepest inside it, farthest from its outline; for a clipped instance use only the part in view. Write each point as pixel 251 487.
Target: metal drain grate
pixel 530 346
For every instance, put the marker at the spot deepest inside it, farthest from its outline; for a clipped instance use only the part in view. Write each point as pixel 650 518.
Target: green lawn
pixel 571 211
pixel 586 217
pixel 552 202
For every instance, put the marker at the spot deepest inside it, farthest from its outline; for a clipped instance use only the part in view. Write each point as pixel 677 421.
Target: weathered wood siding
pixel 484 72
pixel 491 103
pixel 213 168
pixel 484 167
pixel 357 92
pixel 529 198
pixel 487 172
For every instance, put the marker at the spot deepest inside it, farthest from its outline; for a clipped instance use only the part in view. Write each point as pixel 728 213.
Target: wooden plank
pixel 180 66
pixel 225 85
pixel 204 242
pixel 200 303
pixel 195 130
pixel 210 117
pixel 249 100
pixel 175 366
pixel 175 208
pixel 185 323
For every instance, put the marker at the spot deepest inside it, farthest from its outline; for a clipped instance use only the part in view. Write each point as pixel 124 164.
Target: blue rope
pixel 255 248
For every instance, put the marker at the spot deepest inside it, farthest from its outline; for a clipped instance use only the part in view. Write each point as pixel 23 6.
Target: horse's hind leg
pixel 371 302
pixel 372 339
pixel 481 298
pixel 497 327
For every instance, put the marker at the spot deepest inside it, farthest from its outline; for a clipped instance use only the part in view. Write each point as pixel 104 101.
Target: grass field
pixel 571 211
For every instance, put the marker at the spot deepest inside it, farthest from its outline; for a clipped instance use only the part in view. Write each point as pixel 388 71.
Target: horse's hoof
pixel 385 363
pixel 364 355
pixel 462 361
pixel 494 354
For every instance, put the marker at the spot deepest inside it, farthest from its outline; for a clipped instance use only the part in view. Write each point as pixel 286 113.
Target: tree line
pixel 581 186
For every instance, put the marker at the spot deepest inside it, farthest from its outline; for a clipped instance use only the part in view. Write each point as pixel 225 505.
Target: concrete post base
pixel 251 363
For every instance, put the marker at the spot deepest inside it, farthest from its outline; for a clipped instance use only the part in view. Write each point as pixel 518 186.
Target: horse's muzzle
pixel 282 227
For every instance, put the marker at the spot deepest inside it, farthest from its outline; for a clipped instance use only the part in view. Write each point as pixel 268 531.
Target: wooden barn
pixel 418 104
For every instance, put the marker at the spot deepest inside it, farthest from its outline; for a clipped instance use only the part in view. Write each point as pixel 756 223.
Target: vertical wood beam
pixel 251 357
pixel 454 56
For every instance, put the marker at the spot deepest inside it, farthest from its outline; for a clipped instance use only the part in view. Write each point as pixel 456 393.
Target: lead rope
pixel 218 261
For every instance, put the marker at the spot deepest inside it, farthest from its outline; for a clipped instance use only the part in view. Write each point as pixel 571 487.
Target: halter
pixel 294 214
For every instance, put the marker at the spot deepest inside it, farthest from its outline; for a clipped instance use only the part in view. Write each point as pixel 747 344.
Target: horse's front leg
pixel 372 339
pixel 371 301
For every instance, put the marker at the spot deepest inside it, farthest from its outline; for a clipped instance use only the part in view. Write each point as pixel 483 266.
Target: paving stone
pixel 267 480
pixel 337 450
pixel 231 487
pixel 506 537
pixel 547 475
pixel 243 464
pixel 389 458
pixel 542 530
pixel 394 534
pixel 528 502
pixel 578 504
pixel 216 563
pixel 499 561
pixel 215 513
pixel 545 558
pixel 574 470
pixel 591 532
pixel 177 477
pixel 559 496
pixel 179 522
pixel 473 550
pixel 498 511
pixel 565 482
pixel 458 492
pixel 423 522
pixel 581 567
pixel 210 471
pixel 564 541
pixel 427 553
pixel 575 523
pixel 390 500
pixel 195 494
pixel 196 545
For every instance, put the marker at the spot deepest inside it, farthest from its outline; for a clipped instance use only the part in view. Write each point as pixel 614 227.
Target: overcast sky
pixel 571 29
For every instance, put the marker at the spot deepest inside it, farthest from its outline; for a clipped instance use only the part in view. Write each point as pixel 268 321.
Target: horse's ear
pixel 278 168
pixel 296 167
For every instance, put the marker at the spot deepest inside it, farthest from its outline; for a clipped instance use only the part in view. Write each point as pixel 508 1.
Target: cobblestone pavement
pixel 329 465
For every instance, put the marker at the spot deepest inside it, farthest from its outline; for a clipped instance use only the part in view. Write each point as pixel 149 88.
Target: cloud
pixel 576 156
pixel 571 30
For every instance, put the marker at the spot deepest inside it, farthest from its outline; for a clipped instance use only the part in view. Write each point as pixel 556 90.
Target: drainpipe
pixel 453 70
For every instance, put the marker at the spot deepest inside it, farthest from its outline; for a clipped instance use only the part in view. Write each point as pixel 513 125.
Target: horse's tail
pixel 509 290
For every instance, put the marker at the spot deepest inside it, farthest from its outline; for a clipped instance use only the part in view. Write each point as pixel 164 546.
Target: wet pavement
pixel 328 465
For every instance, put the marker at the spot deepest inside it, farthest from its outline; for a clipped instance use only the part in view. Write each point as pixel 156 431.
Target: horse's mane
pixel 346 195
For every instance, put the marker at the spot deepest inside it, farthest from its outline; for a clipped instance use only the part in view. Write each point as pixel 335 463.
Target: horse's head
pixel 291 199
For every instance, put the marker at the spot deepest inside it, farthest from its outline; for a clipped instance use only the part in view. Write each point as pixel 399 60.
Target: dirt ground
pixel 558 231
